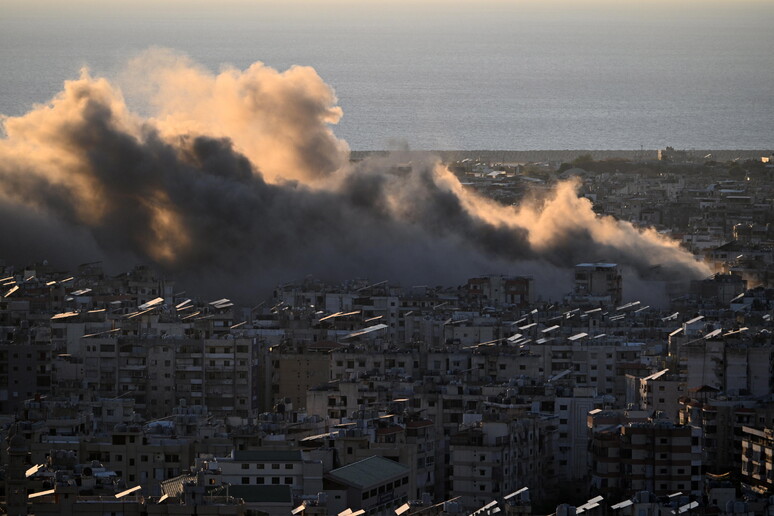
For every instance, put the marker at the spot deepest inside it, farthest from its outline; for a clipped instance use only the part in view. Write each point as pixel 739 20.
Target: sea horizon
pixel 695 75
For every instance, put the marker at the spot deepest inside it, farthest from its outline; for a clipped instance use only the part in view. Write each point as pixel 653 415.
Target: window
pixel 288 466
pixel 275 466
pixel 245 466
pixel 245 480
pixel 289 480
pixel 260 480
pixel 275 480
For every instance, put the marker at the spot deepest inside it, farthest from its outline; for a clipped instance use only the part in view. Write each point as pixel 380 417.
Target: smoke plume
pixel 236 180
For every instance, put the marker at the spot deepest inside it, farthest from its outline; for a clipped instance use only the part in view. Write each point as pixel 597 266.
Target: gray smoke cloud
pixel 236 182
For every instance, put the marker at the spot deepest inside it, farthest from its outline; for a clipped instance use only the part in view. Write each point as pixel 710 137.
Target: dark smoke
pixel 84 178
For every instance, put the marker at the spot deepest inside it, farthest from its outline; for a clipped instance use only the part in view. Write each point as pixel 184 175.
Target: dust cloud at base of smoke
pixel 237 182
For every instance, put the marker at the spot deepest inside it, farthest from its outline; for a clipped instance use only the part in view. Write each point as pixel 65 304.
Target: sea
pixel 519 75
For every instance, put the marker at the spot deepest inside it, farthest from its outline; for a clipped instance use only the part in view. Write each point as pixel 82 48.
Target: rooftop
pixel 258 494
pixel 369 472
pixel 267 455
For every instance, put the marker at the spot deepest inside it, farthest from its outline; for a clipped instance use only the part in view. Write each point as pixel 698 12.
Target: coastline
pixel 527 156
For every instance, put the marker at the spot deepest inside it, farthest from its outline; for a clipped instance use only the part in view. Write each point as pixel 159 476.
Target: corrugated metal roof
pixel 369 472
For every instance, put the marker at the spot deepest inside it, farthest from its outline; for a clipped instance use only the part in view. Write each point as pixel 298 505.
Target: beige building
pixel 758 458
pixel 598 283
pixel 295 371
pixel 661 392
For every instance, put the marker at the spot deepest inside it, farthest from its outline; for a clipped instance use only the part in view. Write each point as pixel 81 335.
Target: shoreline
pixel 515 156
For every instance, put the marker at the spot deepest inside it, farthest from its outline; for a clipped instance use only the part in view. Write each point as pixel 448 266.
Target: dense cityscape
pixel 606 390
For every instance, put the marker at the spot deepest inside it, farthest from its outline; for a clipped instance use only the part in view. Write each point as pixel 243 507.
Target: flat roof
pixel 267 455
pixel 258 493
pixel 369 472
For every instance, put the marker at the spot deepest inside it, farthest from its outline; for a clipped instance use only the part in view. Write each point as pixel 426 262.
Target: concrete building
pixel 597 283
pixel 655 455
pixel 758 458
pixel 375 485
pixel 661 392
pixel 500 291
pixel 298 369
pixel 273 467
pixel 492 459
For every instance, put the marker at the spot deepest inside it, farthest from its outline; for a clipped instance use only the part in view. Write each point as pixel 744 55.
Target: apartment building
pixel 758 458
pixel 273 467
pixel 654 455
pixel 490 459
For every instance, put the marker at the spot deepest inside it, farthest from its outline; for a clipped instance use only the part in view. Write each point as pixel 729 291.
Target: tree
pixel 583 159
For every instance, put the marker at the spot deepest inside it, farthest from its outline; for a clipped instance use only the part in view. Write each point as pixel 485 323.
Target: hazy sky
pixel 689 73
pixel 663 9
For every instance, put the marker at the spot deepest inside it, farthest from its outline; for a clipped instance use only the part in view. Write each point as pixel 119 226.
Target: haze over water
pixel 447 75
